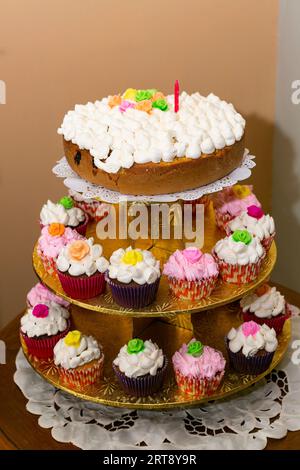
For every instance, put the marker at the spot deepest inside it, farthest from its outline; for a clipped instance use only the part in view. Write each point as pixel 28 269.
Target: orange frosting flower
pixel 262 290
pixel 158 96
pixel 145 105
pixel 114 101
pixel 56 229
pixel 78 250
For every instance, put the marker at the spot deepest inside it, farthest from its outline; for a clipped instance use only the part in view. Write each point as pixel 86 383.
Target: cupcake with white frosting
pixel 251 347
pixel 266 306
pixel 42 327
pixel 231 201
pixel 64 212
pixel 133 276
pixel 239 257
pixel 95 209
pixel 79 359
pixel 140 367
pixel 80 268
pixel 257 223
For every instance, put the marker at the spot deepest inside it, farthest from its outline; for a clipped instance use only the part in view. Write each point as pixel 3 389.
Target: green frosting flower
pixel 67 202
pixel 142 95
pixel 135 346
pixel 242 236
pixel 160 104
pixel 195 348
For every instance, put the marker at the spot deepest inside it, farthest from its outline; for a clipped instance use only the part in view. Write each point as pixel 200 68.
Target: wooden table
pixel 19 429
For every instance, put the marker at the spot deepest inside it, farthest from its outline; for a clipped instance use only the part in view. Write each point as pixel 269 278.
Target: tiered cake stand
pixel 169 322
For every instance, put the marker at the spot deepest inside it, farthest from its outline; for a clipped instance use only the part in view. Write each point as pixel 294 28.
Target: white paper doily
pixel 90 191
pixel 270 409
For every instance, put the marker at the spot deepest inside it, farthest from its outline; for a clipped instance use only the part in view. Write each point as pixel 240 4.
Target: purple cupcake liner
pixel 82 288
pixel 133 296
pixel 142 386
pixel 252 365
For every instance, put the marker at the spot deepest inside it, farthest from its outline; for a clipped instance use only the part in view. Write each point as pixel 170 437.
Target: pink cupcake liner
pixel 42 348
pixel 237 274
pixel 84 376
pixel 142 386
pixel 252 365
pixel 222 219
pixel 198 387
pixel 267 242
pixel 275 322
pixel 92 209
pixel 82 288
pixel 48 263
pixel 133 296
pixel 192 290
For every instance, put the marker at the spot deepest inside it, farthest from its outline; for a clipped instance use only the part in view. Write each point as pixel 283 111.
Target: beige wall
pixel 55 53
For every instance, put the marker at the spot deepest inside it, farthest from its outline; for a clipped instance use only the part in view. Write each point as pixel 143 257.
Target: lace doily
pixel 91 191
pixel 269 410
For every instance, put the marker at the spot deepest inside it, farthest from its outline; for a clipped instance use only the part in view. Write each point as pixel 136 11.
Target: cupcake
pixel 239 257
pixel 257 223
pixel 198 369
pixel 42 327
pixel 251 347
pixel 53 238
pixel 266 306
pixel 96 210
pixel 39 294
pixel 80 268
pixel 133 277
pixel 192 275
pixel 79 359
pixel 64 213
pixel 140 367
pixel 230 202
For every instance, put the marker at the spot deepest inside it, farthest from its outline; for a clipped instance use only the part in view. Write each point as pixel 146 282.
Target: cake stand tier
pixel 211 328
pixel 166 305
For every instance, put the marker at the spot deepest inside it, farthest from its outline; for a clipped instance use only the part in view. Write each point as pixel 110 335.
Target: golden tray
pixel 211 328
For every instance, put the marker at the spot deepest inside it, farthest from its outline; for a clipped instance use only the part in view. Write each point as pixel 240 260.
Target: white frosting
pixel 57 213
pixel 145 362
pixel 146 271
pixel 238 252
pixel 70 357
pixel 79 198
pixel 268 305
pixel 265 339
pixel 89 264
pixel 261 228
pixel 54 323
pixel 118 140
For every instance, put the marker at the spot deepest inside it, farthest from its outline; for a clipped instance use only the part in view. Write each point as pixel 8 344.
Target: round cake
pixel 135 143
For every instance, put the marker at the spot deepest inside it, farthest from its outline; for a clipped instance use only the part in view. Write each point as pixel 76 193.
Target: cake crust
pixel 146 179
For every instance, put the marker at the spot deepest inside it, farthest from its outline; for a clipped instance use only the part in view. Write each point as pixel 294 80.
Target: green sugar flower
pixel 142 95
pixel 135 346
pixel 242 236
pixel 195 348
pixel 160 104
pixel 67 202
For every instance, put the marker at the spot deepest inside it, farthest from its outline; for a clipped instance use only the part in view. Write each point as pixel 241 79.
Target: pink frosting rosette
pixel 192 274
pixel 198 369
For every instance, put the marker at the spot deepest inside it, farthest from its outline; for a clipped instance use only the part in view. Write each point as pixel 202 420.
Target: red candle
pixel 176 96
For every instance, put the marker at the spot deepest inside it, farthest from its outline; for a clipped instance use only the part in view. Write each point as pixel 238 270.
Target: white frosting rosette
pixel 46 319
pixel 76 350
pixel 234 251
pixel 119 138
pixel 82 257
pixel 135 265
pixel 268 305
pixel 263 227
pixel 250 338
pixel 57 213
pixel 142 359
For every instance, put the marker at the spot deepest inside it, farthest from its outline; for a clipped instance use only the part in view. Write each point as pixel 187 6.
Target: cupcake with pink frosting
pixel 192 275
pixel 39 294
pixel 199 369
pixel 258 223
pixel 230 202
pixel 53 238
